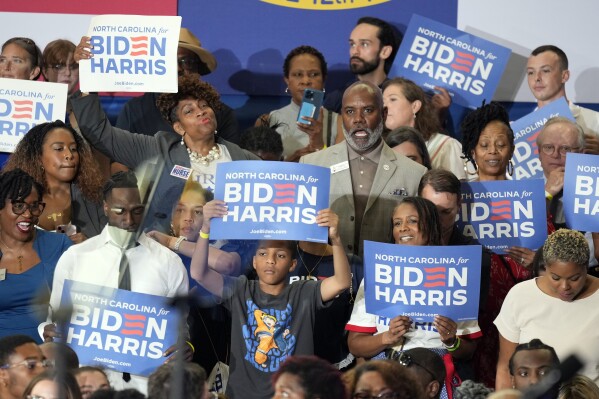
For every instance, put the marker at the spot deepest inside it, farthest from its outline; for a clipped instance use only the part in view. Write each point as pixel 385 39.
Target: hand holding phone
pixel 310 107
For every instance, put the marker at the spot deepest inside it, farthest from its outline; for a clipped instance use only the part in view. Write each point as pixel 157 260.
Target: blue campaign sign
pixel 581 192
pixel 271 200
pixel 433 54
pixel 526 129
pixel 117 329
pixel 505 213
pixel 421 282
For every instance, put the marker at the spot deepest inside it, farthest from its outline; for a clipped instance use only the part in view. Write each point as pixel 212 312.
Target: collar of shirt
pixel 118 237
pixel 373 155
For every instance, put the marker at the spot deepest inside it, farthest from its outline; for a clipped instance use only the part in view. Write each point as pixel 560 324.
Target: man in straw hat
pixel 140 114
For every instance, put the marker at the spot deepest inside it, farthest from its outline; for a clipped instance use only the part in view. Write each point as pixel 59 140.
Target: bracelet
pixel 548 195
pixel 455 346
pixel 203 235
pixel 178 243
pixel 192 347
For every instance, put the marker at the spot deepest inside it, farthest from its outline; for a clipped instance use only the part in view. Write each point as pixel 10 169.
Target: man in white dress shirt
pixel 115 259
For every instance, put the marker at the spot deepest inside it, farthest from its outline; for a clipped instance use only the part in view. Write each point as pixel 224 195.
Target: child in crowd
pixel 272 319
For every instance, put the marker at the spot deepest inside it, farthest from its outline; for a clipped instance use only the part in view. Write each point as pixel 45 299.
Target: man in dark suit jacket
pixel 368 178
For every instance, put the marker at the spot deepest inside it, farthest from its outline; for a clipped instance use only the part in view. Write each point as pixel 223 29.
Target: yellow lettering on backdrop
pixel 325 4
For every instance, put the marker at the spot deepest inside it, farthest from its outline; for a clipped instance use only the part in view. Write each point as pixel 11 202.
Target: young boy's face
pixel 273 262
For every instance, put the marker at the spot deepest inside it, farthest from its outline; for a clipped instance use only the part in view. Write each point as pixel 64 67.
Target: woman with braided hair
pixel 58 157
pixel 488 146
pixel 28 255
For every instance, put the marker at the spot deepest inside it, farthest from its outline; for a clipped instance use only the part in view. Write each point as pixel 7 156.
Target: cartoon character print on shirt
pixel 267 336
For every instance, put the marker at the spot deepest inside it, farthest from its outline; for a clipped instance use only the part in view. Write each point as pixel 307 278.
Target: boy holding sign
pixel 271 318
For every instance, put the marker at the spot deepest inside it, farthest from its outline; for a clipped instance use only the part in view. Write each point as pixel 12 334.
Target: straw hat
pixel 188 41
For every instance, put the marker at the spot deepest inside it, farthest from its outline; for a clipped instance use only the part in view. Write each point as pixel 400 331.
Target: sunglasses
pixel 406 360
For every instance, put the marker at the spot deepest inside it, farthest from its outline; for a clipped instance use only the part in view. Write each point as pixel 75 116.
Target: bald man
pixel 367 177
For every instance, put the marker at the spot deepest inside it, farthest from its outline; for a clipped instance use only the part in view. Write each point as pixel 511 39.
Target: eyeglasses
pixel 19 207
pixel 135 211
pixel 549 149
pixel 406 360
pixel 387 394
pixel 29 364
pixel 62 67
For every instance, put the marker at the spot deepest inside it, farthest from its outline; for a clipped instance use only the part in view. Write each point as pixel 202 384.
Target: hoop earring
pixel 287 89
pixel 182 137
pixel 466 168
pixel 510 168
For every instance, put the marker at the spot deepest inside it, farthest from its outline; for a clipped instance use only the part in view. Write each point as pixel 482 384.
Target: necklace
pixel 19 257
pixel 299 253
pixel 213 154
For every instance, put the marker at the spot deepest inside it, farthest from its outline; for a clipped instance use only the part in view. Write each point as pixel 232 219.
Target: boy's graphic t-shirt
pixel 265 330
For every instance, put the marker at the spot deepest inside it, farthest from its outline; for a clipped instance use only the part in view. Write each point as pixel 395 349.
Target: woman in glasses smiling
pixel 28 256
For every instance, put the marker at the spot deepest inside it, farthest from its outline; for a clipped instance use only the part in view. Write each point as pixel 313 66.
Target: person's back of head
pixel 194 381
pixel 428 369
pixel 579 387
pixel 52 350
pixel 394 377
pixel 317 377
pixel 264 142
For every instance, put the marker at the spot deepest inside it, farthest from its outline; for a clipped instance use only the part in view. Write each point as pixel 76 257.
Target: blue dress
pixel 24 297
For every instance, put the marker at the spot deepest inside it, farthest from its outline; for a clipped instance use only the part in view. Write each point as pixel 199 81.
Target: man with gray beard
pixel 367 177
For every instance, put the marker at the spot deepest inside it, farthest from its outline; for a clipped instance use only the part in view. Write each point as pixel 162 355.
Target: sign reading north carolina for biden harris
pixel 132 53
pixel 121 330
pixel 271 200
pixel 432 54
pixel 581 192
pixel 26 103
pixel 503 214
pixel 421 282
pixel 527 164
